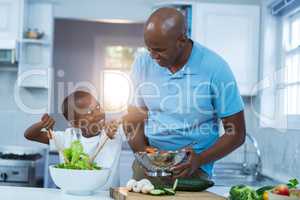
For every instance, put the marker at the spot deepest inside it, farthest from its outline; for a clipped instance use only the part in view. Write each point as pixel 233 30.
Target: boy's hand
pixel 47 122
pixel 111 128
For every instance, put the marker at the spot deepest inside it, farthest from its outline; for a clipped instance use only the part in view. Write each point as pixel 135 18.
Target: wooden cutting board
pixel 123 194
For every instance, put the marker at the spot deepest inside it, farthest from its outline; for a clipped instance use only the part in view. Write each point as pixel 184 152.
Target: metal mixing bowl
pixel 160 162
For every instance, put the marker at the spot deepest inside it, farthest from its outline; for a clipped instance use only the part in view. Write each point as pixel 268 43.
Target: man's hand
pixel 188 168
pixel 133 126
pixel 111 128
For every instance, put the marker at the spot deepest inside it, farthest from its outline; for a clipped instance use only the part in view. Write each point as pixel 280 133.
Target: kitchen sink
pixel 229 174
pixel 248 171
pixel 244 180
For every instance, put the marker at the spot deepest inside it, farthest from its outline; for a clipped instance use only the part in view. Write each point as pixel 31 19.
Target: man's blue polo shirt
pixel 185 107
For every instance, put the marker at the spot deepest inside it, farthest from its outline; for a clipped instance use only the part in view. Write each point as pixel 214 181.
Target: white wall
pixel 132 10
pixel 13 120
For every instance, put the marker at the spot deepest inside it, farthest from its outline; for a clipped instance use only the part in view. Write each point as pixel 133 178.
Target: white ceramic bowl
pixel 79 182
pixel 273 196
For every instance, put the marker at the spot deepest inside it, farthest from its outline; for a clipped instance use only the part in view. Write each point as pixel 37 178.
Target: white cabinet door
pixel 126 161
pixel 9 19
pixel 233 32
pixel 35 62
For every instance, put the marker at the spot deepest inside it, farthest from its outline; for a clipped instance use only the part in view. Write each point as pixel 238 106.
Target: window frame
pixel 292 121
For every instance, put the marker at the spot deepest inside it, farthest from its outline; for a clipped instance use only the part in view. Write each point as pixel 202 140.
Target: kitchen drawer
pixel 14 174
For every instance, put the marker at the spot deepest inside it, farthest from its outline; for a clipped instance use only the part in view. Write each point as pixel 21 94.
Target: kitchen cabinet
pixel 233 32
pixel 126 160
pixel 35 59
pixel 10 11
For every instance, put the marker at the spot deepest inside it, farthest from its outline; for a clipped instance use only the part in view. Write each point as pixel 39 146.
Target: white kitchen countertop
pixel 26 193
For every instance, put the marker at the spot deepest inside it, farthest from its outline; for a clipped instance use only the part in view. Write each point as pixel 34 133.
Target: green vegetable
pixel 67 154
pixel 175 184
pixel 169 191
pixel 293 183
pixel 243 192
pixel 161 190
pixel 192 184
pixel 76 158
pixel 260 191
pixel 157 192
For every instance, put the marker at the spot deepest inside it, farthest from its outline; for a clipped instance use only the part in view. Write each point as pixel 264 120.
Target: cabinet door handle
pixel 13 56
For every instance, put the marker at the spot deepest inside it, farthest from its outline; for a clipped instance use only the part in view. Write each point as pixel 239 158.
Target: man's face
pixel 165 51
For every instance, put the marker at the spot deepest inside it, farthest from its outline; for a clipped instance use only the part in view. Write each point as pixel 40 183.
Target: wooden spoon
pixel 58 147
pixel 99 147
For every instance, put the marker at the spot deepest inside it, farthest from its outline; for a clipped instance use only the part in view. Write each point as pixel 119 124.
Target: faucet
pixel 258 166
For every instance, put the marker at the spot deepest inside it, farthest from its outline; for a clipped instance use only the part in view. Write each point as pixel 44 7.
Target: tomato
pixel 281 190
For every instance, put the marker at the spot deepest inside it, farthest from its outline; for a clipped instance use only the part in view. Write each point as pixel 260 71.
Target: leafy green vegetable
pixel 293 183
pixel 77 159
pixel 242 192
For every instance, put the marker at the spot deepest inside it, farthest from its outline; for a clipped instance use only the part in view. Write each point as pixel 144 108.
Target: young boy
pixel 87 121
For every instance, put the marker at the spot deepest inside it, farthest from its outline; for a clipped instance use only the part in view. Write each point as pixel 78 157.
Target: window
pixel 118 61
pixel 116 90
pixel 290 81
pixel 279 87
pixel 120 57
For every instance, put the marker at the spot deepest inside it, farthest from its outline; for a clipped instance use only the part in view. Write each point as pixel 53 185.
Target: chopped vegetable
pixel 175 185
pixel 151 150
pixel 242 192
pixel 77 159
pixel 157 192
pixel 169 191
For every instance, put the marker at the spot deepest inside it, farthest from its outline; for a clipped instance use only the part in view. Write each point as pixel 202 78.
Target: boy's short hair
pixel 69 104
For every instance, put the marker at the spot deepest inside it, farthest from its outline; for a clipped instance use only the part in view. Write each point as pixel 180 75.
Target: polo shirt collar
pixel 189 68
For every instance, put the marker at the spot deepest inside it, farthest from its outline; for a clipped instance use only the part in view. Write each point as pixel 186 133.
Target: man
pixel 182 91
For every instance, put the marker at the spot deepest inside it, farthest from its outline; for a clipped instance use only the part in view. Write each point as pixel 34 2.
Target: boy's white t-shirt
pixel 108 157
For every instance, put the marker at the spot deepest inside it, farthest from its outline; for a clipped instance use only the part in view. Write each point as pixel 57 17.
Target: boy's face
pixel 89 116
